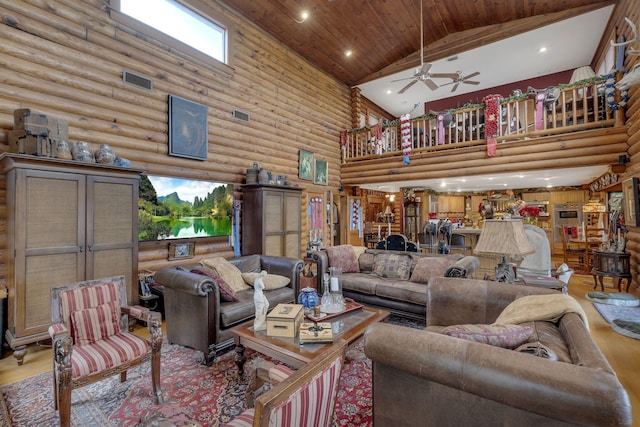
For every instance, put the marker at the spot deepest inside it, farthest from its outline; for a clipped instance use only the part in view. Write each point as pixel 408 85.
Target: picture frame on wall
pixel 181 250
pixel 320 174
pixel 305 166
pixel 630 201
pixel 188 133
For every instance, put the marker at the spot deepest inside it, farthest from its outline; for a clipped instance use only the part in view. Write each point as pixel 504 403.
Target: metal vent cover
pixel 137 80
pixel 241 115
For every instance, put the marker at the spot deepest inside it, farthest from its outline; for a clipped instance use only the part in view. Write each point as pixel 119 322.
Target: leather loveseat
pixel 197 317
pixel 404 296
pixel 427 378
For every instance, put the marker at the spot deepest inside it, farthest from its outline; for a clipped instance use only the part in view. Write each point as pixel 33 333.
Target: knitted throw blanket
pixel 549 308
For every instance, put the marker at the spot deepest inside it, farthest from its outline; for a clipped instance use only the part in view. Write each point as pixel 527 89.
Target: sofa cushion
pixel 392 266
pixel 549 335
pixel 226 291
pixel 247 263
pixel 271 281
pixel 428 267
pixel 344 257
pixel 95 323
pixel 229 272
pixel 365 261
pixel 363 283
pixel 402 290
pixel 505 336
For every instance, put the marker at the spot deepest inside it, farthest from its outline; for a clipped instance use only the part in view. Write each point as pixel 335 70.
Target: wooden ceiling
pixel 384 35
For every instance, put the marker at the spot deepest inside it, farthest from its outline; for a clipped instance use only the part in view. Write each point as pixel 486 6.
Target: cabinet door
pixel 291 225
pixel 112 229
pixel 49 242
pixel 273 219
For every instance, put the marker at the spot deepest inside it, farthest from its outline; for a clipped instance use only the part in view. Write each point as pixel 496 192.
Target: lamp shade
pixel 582 73
pixel 504 237
pixel 387 211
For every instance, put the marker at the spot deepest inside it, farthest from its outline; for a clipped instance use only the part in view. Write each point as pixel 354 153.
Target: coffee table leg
pixel 241 359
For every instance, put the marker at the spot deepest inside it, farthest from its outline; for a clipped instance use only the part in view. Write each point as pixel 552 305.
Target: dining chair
pixel 572 253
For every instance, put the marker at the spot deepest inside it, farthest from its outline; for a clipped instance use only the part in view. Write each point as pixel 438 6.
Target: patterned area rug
pixel 623 320
pixel 193 393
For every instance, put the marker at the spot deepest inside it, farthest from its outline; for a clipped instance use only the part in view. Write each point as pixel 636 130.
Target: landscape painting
pixel 175 208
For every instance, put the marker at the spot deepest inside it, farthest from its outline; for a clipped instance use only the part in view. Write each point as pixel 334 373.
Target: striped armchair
pixel 307 398
pixel 90 336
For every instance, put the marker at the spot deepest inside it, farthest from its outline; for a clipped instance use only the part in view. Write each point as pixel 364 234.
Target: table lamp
pixel 506 238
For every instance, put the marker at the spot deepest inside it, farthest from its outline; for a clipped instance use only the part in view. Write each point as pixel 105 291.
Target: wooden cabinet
pixel 271 220
pixel 66 222
pixel 451 204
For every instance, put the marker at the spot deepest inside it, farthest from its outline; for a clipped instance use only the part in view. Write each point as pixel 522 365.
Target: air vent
pixel 452 58
pixel 137 80
pixel 241 115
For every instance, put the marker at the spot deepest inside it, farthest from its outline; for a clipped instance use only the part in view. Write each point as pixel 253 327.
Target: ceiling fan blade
pixel 477 73
pixel 470 82
pixel 400 80
pixel 425 68
pixel 431 84
pixel 453 76
pixel 406 88
pixel 455 86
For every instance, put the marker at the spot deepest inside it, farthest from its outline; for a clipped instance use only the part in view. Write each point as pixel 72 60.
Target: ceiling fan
pixel 422 74
pixel 463 79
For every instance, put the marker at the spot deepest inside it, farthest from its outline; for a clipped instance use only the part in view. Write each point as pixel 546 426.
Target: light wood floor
pixel 622 352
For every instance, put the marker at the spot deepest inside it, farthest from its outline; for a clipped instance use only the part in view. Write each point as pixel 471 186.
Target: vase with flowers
pixel 530 214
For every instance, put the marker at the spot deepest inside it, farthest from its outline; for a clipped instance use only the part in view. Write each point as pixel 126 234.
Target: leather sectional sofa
pixel 195 314
pixel 427 378
pixel 404 296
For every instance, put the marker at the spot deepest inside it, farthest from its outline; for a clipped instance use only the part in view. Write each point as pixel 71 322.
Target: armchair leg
pixel 155 378
pixel 62 379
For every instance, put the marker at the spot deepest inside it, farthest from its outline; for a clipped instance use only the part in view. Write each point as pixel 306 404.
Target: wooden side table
pixel 611 264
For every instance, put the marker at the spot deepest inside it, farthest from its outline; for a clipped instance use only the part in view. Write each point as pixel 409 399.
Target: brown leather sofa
pixel 402 297
pixel 196 317
pixel 423 377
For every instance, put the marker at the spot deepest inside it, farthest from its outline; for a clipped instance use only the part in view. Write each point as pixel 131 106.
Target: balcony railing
pixel 566 109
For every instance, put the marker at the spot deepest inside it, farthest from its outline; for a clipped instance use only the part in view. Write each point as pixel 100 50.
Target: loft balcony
pixel 575 126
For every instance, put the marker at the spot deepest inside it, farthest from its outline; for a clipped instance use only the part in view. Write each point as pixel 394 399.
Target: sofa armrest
pixel 185 281
pixel 322 261
pixel 284 266
pixel 574 394
pixel 455 301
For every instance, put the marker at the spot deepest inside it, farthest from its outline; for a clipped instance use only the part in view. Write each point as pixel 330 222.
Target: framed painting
pixel 181 250
pixel 305 166
pixel 188 133
pixel 630 201
pixel 320 172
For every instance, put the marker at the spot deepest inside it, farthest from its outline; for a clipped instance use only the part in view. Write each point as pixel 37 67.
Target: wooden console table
pixel 611 264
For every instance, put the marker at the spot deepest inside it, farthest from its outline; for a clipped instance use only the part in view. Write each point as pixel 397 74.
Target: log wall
pixel 65 58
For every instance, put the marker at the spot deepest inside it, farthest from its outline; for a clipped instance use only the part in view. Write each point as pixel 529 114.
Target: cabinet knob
pixel 81 248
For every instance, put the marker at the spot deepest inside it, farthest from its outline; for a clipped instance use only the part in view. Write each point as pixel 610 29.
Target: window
pixel 191 26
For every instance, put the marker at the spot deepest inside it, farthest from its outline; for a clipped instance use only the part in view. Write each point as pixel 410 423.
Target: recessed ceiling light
pixel 389 91
pixel 348 52
pixel 303 17
pixel 542 49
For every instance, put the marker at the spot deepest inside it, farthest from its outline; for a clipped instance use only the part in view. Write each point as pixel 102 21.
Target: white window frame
pixel 176 46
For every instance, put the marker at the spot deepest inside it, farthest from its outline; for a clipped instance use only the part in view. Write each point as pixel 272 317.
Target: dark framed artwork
pixel 188 133
pixel 630 201
pixel 320 172
pixel 305 166
pixel 182 250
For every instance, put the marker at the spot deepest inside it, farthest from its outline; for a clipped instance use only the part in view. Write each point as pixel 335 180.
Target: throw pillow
pixel 392 266
pixel 226 291
pixel 359 250
pixel 428 267
pixel 271 281
pixel 366 262
pixel 95 323
pixel 343 256
pixel 505 336
pixel 229 272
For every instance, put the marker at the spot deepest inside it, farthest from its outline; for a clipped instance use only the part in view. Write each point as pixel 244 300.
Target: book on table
pixel 532 279
pixel 316 333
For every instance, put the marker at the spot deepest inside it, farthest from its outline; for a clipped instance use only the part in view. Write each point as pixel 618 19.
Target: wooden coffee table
pixel 349 327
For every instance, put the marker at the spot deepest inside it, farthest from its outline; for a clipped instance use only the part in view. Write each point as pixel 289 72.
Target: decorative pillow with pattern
pixel 95 323
pixel 505 336
pixel 343 256
pixel 366 262
pixel 229 272
pixel 271 281
pixel 392 266
pixel 226 292
pixel 428 267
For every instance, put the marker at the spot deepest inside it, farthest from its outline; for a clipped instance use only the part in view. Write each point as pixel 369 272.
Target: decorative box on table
pixel 284 320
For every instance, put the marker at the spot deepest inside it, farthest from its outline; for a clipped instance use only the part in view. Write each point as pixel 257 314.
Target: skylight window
pixel 181 23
